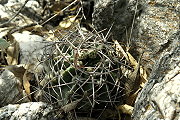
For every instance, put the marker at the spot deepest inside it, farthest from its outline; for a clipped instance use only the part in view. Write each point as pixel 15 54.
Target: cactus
pixel 85 70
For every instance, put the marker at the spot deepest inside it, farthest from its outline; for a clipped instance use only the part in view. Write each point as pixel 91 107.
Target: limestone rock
pixel 10 89
pixel 160 98
pixel 112 13
pixel 27 111
pixel 32 49
pixel 155 29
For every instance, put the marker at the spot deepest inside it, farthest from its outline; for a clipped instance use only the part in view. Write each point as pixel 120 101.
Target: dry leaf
pixel 13 54
pixel 67 22
pixel 18 71
pixel 132 60
pixel 126 109
pixel 26 78
pixel 120 50
pixel 63 29
pixel 37 29
pixel 131 99
pixel 58 6
pixel 143 75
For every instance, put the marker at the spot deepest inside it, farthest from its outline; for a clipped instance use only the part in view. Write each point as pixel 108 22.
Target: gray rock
pixel 112 13
pixel 157 33
pixel 10 89
pixel 155 29
pixel 32 49
pixel 160 98
pixel 27 111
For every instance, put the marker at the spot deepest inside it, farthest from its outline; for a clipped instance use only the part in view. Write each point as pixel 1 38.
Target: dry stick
pixel 129 40
pixel 33 24
pixel 4 24
pixel 59 12
pixel 22 27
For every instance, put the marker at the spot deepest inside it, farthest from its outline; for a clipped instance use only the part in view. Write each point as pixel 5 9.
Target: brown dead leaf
pixel 18 71
pixel 131 99
pixel 120 51
pixel 126 109
pixel 13 53
pixel 26 78
pixel 37 29
pixel 67 22
pixel 58 6
pixel 143 75
pixel 131 59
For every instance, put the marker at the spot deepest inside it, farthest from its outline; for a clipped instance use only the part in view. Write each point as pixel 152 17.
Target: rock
pixel 27 111
pixel 157 33
pixel 160 98
pixel 10 89
pixel 115 14
pixel 33 49
pixel 155 29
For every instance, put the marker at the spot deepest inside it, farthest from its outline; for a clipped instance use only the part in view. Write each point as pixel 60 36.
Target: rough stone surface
pixel 27 111
pixel 155 28
pixel 160 98
pixel 112 13
pixel 157 33
pixel 10 89
pixel 32 49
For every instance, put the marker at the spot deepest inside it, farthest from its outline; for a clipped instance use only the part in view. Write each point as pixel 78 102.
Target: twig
pixel 4 24
pixel 135 12
pixel 22 27
pixel 59 12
